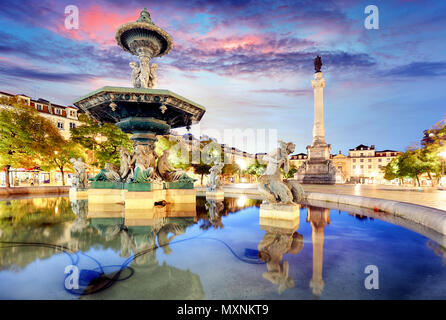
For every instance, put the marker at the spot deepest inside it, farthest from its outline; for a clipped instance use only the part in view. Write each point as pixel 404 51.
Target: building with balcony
pixel 63 117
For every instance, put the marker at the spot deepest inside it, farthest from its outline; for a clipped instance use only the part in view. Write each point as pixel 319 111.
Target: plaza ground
pixel 427 196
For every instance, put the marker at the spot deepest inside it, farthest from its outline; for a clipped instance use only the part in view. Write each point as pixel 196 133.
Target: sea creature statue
pixel 81 177
pixel 169 173
pixel 109 173
pixel 144 76
pixel 214 177
pixel 270 183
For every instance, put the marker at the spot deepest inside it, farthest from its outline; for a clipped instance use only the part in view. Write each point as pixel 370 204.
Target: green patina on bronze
pixel 179 185
pixel 106 185
pixel 139 186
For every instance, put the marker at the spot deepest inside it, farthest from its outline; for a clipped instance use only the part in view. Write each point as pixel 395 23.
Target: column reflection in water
pixel 281 237
pixel 318 218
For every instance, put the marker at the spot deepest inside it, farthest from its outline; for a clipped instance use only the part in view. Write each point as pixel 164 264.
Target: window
pixel 380 160
pixel 39 107
pixel 58 111
pixel 388 159
pixel 72 125
pixel 72 113
pixel 362 160
pixel 370 167
pixel 380 166
pixel 362 153
pixel 354 167
pixel 362 167
pixel 370 160
pixel 60 125
pixel 354 160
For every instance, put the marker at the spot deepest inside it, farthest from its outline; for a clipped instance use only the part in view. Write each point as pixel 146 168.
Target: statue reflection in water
pixel 214 207
pixel 280 238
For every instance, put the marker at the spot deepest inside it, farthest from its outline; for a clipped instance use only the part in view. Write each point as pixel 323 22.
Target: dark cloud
pixel 418 69
pixel 247 61
pixel 15 71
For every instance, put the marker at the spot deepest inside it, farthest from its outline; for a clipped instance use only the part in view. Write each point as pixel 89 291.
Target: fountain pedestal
pixel 280 211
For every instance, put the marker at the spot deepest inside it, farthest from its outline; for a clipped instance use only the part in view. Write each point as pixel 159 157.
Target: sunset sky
pixel 249 63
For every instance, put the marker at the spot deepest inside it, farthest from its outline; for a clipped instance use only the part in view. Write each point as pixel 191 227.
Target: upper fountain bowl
pixel 143 37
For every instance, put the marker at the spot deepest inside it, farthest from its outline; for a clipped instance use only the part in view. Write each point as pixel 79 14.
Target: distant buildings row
pixel 63 117
pixel 363 164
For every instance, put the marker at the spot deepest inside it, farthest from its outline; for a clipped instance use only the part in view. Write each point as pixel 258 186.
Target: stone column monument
pixel 318 169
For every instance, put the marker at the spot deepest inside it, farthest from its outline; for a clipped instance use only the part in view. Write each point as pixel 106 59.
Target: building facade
pixel 63 117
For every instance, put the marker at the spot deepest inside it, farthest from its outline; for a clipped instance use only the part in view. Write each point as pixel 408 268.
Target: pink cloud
pixel 97 24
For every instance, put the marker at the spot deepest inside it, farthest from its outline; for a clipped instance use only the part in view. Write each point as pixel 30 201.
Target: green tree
pixel 201 169
pixel 177 158
pixel 25 136
pixel 104 140
pixel 59 157
pixel 256 169
pixel 290 173
pixel 391 169
pixel 411 165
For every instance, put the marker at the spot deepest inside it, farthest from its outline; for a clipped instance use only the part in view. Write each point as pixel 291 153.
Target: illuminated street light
pixel 241 163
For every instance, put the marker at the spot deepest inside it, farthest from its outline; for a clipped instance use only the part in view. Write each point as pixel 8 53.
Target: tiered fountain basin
pixel 144 113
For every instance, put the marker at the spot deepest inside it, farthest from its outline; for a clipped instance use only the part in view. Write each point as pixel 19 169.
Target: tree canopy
pixel 104 140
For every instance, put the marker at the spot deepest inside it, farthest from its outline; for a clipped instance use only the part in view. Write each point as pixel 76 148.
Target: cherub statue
pixel 214 177
pixel 136 72
pixel 153 80
pixel 144 75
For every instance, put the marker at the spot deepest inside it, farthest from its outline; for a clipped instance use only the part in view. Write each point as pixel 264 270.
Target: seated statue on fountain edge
pixel 271 185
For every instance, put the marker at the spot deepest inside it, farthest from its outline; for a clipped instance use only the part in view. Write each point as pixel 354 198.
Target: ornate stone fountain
pixel 144 112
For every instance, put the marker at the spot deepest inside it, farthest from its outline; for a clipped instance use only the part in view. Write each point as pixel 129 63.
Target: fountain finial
pixel 145 17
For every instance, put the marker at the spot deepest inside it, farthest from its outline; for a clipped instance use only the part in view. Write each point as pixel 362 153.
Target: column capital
pixel 319 81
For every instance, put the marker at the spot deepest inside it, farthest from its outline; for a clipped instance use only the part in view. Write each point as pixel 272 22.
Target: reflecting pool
pixel 51 248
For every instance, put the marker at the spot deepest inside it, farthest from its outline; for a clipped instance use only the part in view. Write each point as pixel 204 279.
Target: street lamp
pixel 242 165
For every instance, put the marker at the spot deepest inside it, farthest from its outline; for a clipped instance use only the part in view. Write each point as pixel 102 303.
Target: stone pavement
pixel 429 197
pixel 426 197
